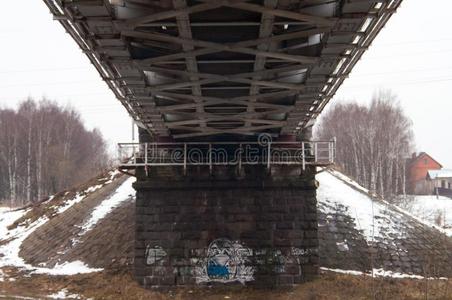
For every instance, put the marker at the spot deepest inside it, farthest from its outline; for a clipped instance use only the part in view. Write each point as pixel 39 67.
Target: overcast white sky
pixel 411 56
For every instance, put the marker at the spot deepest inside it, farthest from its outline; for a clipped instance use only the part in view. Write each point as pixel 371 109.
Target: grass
pixel 118 286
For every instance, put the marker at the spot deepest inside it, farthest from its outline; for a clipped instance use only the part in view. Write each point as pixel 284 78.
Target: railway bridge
pixel 225 94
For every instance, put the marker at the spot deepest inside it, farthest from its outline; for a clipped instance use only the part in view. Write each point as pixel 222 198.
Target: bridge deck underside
pixel 209 68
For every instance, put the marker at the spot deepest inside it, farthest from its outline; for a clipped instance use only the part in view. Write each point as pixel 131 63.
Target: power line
pixel 403 83
pixel 44 70
pixel 405 71
pixel 51 83
pixel 414 42
pixel 399 55
pixel 53 97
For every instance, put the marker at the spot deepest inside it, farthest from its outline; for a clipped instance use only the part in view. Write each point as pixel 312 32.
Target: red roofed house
pixel 417 170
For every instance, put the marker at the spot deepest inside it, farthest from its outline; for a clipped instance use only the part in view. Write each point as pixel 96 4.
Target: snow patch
pixel 67 268
pixel 430 210
pixel 381 273
pixel 349 272
pixel 8 217
pixel 17 297
pixel 349 181
pixel 121 194
pixel 63 294
pixel 17 235
pixel 112 174
pixel 11 250
pixel 342 246
pixel 11 256
pixel 371 216
pixel 365 210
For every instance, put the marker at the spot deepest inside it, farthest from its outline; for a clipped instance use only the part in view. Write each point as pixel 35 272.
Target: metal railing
pixel 316 153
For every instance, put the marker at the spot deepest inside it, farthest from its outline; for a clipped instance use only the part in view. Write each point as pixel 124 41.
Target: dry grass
pixel 49 208
pixel 118 286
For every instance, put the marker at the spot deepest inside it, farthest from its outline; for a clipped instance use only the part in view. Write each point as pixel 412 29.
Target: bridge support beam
pixel 256 229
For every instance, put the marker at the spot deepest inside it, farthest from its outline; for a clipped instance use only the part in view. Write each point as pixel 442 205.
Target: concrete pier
pixel 258 228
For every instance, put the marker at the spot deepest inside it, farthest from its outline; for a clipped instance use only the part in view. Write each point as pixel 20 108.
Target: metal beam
pixel 315 20
pixel 211 131
pixel 211 47
pixel 168 14
pixel 265 30
pixel 238 100
pixel 183 25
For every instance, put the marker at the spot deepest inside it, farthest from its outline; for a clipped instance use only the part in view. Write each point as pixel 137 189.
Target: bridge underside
pixel 216 69
pixel 210 71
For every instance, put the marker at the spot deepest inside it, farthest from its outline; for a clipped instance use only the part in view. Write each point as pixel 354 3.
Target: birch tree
pixel 45 148
pixel 373 141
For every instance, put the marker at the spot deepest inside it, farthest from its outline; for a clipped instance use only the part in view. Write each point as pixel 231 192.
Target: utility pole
pixel 133 130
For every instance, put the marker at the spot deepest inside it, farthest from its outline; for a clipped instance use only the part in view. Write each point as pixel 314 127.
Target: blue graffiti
pixel 217 271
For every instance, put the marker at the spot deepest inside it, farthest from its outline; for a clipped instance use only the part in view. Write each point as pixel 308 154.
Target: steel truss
pixel 209 68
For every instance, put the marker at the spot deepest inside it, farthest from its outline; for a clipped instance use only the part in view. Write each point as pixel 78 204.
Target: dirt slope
pixel 107 243
pixel 403 244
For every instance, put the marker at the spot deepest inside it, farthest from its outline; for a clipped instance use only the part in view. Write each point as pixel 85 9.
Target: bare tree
pixel 373 141
pixel 8 151
pixel 28 109
pixel 45 148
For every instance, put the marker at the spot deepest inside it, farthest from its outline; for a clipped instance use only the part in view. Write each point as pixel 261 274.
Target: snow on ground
pixel 17 297
pixel 436 211
pixel 67 268
pixel 349 272
pixel 370 215
pixel 64 294
pixel 112 176
pixel 383 273
pixel 349 181
pixel 380 273
pixel 10 250
pixel 122 193
pixel 7 217
pixel 11 256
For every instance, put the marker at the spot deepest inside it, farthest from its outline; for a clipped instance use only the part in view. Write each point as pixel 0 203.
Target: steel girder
pixel 211 68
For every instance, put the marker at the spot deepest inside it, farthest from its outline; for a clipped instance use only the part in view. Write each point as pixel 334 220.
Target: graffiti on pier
pixel 280 261
pixel 154 254
pixel 225 261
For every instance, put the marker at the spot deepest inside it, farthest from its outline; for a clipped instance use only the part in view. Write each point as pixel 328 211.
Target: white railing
pixel 316 153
